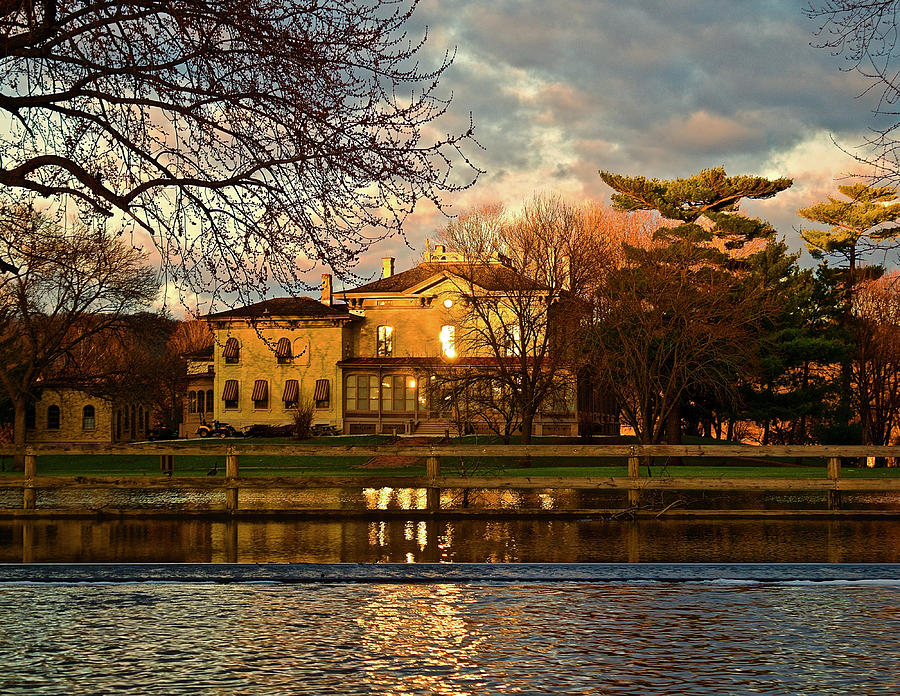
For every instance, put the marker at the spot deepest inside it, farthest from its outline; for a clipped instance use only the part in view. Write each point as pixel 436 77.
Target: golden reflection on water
pixel 426 625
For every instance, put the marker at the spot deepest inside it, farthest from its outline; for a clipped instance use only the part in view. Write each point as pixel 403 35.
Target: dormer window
pixel 384 346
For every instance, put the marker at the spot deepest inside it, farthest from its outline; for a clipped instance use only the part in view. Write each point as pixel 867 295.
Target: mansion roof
pixel 488 276
pixel 304 307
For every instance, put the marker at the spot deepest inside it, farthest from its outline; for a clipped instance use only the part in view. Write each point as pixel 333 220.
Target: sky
pixel 660 88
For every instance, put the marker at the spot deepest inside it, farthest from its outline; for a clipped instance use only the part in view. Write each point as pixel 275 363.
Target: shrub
pixel 303 418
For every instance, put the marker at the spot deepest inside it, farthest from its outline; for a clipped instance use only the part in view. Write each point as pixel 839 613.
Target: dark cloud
pixel 559 90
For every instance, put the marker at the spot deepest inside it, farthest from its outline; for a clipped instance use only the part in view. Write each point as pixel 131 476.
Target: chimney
pixel 326 289
pixel 387 266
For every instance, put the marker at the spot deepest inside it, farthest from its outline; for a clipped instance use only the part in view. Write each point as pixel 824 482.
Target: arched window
pixel 232 352
pixel 283 352
pixel 140 417
pixel 192 402
pixel 88 418
pixel 201 401
pixel 133 419
pixel 53 417
pixel 119 423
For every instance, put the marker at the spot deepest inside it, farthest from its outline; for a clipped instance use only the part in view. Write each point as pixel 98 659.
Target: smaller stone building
pixel 69 414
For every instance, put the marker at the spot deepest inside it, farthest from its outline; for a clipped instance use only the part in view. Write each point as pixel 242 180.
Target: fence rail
pixel 634 483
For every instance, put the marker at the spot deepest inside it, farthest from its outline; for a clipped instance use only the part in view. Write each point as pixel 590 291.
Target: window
pixel 192 402
pixel 209 401
pixel 291 396
pixel 133 420
pixel 362 393
pixel 53 417
pixel 232 352
pixel 230 394
pixel 384 348
pixel 513 341
pixel 322 395
pixel 88 418
pixel 119 423
pixel 448 341
pixel 283 352
pixel 140 422
pixel 201 401
pixel 398 393
pixel 260 396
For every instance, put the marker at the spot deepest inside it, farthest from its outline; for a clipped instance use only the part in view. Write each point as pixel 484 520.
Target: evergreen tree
pixel 865 222
pixel 704 249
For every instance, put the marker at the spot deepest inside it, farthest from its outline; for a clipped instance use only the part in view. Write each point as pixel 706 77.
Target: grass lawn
pixel 200 465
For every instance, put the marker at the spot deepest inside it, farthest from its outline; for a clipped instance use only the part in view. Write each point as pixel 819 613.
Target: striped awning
pixel 283 349
pixel 321 390
pixel 231 390
pixel 260 390
pixel 232 349
pixel 291 391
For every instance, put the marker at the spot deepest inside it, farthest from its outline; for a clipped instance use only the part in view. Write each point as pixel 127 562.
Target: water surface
pixel 464 635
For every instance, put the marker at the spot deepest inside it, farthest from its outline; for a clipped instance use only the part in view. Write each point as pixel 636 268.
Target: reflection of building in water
pixel 443 540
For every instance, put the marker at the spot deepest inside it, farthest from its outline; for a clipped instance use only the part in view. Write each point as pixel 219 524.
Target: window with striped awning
pixel 230 394
pixel 232 352
pixel 283 350
pixel 260 390
pixel 322 394
pixel 291 393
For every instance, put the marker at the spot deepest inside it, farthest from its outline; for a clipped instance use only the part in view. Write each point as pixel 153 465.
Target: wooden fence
pixel 638 456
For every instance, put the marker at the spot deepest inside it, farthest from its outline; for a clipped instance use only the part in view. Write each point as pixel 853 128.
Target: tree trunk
pixel 20 404
pixel 673 431
pixel 527 427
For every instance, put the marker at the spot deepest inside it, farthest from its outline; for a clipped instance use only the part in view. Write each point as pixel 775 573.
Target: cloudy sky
pixel 662 88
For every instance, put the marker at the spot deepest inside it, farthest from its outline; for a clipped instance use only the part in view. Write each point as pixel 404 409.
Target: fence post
pixel 834 473
pixel 167 463
pixel 231 473
pixel 634 473
pixel 28 496
pixel 433 492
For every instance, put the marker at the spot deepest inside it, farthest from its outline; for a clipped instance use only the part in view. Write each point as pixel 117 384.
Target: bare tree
pixel 71 286
pixel 250 140
pixel 865 33
pixel 525 283
pixel 876 365
pixel 669 323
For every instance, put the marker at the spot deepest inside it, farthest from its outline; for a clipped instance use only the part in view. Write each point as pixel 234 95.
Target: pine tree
pixel 702 250
pixel 868 220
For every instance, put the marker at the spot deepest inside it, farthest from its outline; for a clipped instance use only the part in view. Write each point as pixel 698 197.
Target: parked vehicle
pixel 162 432
pixel 217 429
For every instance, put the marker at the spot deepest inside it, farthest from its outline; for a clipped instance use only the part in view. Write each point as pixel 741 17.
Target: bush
pixel 303 418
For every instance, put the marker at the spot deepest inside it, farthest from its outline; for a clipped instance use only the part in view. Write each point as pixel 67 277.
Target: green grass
pixel 250 465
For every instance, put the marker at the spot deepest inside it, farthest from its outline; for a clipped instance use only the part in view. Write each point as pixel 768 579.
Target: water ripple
pixel 449 638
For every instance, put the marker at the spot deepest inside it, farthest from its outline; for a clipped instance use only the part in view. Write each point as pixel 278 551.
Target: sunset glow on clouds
pixel 659 88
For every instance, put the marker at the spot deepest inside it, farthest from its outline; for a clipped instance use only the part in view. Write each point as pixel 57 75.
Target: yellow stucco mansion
pixel 366 363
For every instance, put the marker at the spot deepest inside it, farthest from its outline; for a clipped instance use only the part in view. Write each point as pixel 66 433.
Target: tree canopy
pixel 679 314
pixel 248 139
pixel 858 225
